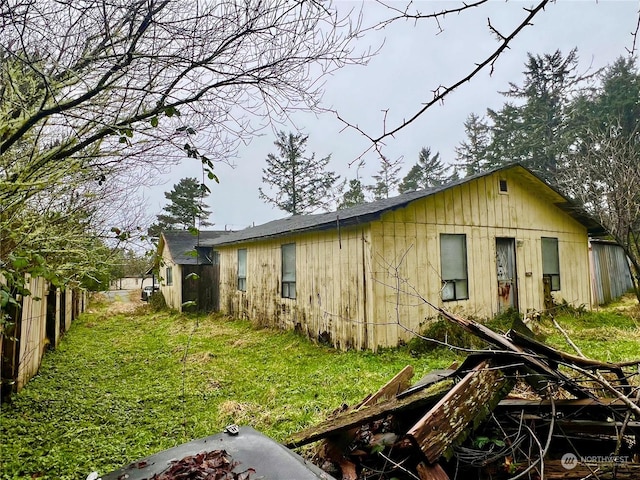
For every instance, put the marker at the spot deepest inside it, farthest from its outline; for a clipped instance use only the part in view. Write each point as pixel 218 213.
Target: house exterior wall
pixel 369 286
pixel 406 253
pixel 172 293
pixel 331 285
pixel 126 283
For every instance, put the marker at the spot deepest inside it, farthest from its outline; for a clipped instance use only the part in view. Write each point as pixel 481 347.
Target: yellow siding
pixel 371 286
pixel 172 293
pixel 478 210
pixel 330 288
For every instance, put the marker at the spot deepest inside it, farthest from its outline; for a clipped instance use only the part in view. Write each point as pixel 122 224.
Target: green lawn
pixel 123 386
pixel 119 387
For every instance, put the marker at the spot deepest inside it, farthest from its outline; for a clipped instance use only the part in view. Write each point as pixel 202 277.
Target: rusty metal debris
pixel 519 409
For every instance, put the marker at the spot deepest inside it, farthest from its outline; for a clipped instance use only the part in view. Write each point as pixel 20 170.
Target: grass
pixel 125 385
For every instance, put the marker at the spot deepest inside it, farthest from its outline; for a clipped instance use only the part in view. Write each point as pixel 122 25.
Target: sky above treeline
pixel 415 59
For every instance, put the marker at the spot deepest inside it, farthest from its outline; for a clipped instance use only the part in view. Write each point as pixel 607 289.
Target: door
pixel 506 272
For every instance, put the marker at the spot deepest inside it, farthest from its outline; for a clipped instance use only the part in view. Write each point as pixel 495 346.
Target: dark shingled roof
pixel 181 242
pixel 368 212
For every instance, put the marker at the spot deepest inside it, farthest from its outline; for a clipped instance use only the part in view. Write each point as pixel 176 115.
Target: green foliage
pixel 186 208
pixel 427 172
pixel 387 179
pixel 471 153
pixel 446 332
pixel 302 184
pixel 354 196
pixel 157 302
pixel 535 132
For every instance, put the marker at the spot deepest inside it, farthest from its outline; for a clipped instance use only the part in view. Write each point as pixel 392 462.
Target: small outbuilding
pixel 188 272
pixel 364 277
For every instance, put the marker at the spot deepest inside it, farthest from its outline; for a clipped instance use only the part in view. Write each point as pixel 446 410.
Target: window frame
pixel 168 274
pixel 288 274
pixel 548 271
pixel 455 279
pixel 241 284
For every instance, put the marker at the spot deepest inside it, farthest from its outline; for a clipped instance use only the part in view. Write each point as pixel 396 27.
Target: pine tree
pixel 471 154
pixel 535 132
pixel 428 172
pixel 302 184
pixel 354 196
pixel 387 179
pixel 185 210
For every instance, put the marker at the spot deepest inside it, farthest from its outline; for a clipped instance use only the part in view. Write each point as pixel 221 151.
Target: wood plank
pixel 346 421
pixel 398 384
pixel 446 421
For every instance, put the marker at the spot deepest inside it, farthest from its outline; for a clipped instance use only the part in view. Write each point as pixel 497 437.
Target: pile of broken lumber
pixel 518 409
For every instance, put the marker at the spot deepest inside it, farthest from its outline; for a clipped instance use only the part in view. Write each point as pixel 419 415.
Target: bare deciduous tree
pixel 112 81
pixel 93 91
pixel 604 176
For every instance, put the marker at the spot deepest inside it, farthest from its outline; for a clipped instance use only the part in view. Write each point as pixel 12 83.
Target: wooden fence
pixel 37 324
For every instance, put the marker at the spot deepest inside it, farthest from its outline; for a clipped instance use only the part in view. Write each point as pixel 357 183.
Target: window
pixel 551 262
pixel 169 276
pixel 503 187
pixel 453 265
pixel 289 270
pixel 242 269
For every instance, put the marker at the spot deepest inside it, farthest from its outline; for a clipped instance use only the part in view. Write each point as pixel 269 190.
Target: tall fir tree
pixel 471 153
pixel 387 179
pixel 427 172
pixel 353 196
pixel 533 131
pixel 186 209
pixel 302 184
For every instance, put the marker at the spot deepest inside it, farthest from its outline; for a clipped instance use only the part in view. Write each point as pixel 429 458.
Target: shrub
pixel 157 303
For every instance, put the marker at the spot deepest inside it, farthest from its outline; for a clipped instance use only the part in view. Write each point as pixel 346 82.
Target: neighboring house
pixel 362 277
pixel 188 274
pixel 126 283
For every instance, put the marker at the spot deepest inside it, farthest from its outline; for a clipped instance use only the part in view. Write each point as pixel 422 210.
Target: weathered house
pixel 188 273
pixel 363 277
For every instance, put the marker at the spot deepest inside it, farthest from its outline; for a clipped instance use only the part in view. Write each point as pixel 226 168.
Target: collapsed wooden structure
pixel 519 409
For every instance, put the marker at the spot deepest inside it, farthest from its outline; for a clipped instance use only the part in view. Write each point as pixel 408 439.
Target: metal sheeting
pixel 610 273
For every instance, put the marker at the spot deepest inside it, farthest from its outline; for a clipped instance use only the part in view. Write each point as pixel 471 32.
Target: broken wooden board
pixel 420 400
pixel 389 390
pixel 483 387
pixel 535 362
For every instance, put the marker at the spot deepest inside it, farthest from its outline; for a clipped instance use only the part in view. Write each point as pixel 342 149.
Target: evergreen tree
pixel 186 208
pixel 302 184
pixel 354 196
pixel 535 132
pixel 428 172
pixel 387 179
pixel 471 154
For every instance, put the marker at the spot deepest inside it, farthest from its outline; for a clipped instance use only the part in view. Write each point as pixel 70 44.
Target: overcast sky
pixel 413 62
